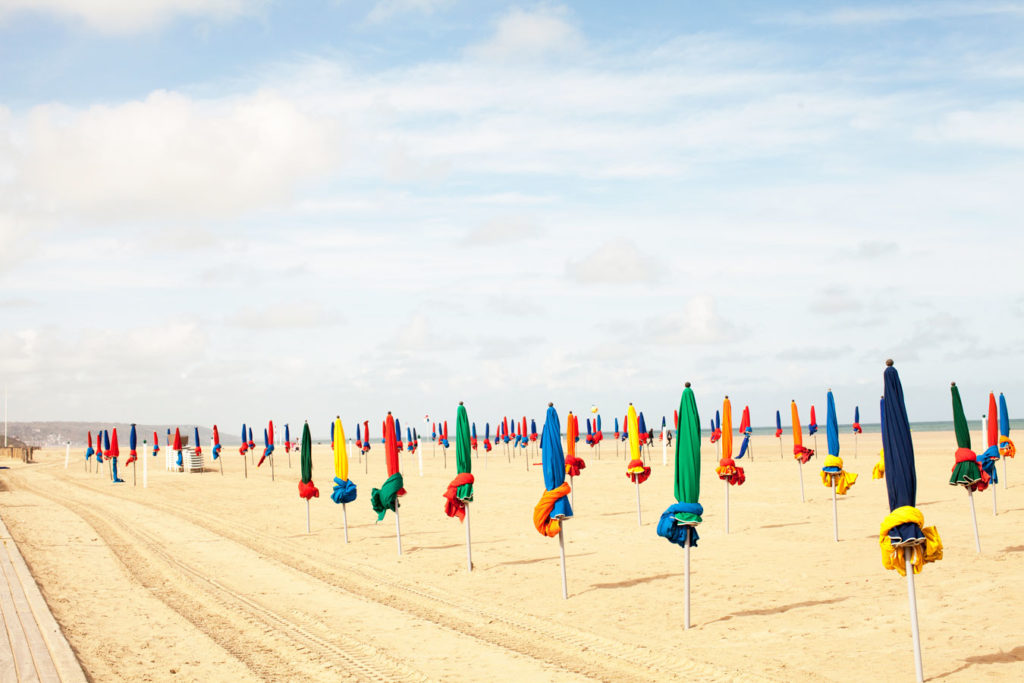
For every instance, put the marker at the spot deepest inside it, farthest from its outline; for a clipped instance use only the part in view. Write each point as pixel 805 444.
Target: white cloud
pixel 894 13
pixel 388 9
pixel 168 156
pixel 500 231
pixel 524 35
pixel 127 16
pixel 616 262
pixel 995 126
pixel 698 323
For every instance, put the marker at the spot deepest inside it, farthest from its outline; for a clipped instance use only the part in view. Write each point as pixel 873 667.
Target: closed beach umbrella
pixel 252 442
pixel 987 459
pixel 89 451
pixel 966 470
pixel 133 445
pixel 344 489
pixel 386 497
pixel 778 431
pixel 459 493
pixel 905 542
pixel 306 488
pixel 801 454
pixel 1006 447
pixel 678 524
pixel 832 473
pixel 727 470
pixel 636 471
pixel 287 439
pixel 199 446
pixel 176 446
pixel 553 507
pixel 573 464
pixel 113 452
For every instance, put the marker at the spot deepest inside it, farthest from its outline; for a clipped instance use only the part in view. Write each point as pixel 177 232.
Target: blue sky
pixel 232 210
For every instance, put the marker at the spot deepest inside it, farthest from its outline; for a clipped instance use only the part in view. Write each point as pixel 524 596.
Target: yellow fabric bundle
pixel 844 480
pixel 893 558
pixel 879 470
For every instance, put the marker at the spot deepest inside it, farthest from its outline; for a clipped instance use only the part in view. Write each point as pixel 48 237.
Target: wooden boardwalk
pixel 32 647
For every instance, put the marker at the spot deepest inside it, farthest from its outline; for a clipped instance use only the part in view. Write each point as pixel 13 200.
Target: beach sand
pixel 206 577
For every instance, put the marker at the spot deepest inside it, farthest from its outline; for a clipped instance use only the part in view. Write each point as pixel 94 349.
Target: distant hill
pixel 56 434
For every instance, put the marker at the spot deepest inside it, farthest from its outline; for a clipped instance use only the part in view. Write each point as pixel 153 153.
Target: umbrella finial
pixel 550 404
pixel 389 412
pixel 686 384
pixel 952 384
pixel 727 395
pixel 460 403
pixel 888 363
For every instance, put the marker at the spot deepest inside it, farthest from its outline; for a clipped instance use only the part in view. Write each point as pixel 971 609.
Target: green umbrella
pixel 306 488
pixel 678 522
pixel 460 491
pixel 966 471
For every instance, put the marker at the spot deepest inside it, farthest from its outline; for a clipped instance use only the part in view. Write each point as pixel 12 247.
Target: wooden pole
pixel 974 520
pixel 636 480
pixel 561 554
pixel 912 597
pixel 307 515
pixel 686 573
pixel 469 547
pixel 835 511
pixel 344 520
pixel 726 505
pixel 398 529
pixel 800 464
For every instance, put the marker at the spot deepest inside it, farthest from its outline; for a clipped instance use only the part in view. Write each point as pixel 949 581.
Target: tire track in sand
pixel 572 649
pixel 267 643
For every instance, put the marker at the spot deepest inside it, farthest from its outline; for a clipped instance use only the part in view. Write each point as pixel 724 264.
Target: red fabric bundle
pixel 778 433
pixel 308 491
pixel 727 471
pixel 573 465
pixel 453 506
pixel 638 477
pixel 802 454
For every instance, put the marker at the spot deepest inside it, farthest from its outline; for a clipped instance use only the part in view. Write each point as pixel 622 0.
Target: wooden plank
pixel 8 669
pixel 45 670
pixel 66 667
pixel 23 664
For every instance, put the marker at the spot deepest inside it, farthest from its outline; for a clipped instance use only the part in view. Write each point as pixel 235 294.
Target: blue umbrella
pixel 906 543
pixel 832 473
pixel 554 504
pixel 133 453
pixel 1006 447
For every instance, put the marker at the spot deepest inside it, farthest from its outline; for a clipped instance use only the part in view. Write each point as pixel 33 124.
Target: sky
pixel 237 210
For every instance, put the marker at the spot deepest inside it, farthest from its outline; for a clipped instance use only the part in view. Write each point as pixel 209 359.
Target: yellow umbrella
pixel 344 490
pixel 635 470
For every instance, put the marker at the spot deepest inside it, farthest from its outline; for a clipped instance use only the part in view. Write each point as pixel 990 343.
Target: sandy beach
pixel 208 577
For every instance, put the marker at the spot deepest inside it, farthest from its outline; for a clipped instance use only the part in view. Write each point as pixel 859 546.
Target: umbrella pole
pixel 366 463
pixel 220 461
pixel 686 574
pixel 398 529
pixel 572 490
pixel 561 554
pixel 855 445
pixel 344 520
pixel 800 464
pixel 664 449
pixel 445 456
pixel 974 519
pixel 245 466
pixel 781 456
pixel 726 481
pixel 1005 485
pixel 307 515
pixel 134 473
pixel 995 511
pixel 636 480
pixel 271 467
pixel 289 460
pixel 912 596
pixel 835 512
pixel 469 547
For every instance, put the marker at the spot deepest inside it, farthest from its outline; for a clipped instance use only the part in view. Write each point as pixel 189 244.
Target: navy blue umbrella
pixel 907 545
